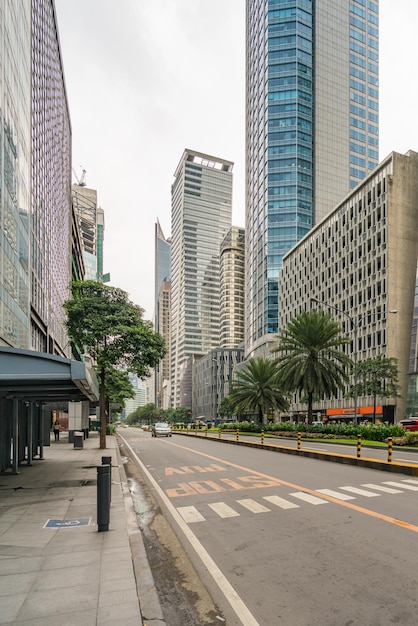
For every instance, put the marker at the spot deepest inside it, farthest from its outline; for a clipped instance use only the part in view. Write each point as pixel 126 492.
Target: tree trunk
pixel 102 406
pixel 310 411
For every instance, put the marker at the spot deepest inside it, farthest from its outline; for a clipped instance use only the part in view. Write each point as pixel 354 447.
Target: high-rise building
pixel 232 288
pixel 162 313
pixel 312 131
pixel 91 223
pixel 200 219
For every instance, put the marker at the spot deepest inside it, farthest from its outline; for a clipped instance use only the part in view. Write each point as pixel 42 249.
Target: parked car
pixel 409 424
pixel 161 429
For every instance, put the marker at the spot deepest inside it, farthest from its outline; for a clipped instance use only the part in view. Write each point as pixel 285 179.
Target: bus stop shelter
pixel 28 380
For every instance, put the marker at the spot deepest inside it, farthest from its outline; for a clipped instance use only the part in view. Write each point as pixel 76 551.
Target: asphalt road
pixel 284 540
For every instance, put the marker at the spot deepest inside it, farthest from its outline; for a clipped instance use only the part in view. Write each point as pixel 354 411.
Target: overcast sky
pixel 148 78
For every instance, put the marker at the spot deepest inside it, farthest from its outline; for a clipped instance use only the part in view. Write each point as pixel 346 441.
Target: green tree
pixel 118 388
pixel 257 389
pixel 104 323
pixel 376 377
pixel 311 359
pixel 225 408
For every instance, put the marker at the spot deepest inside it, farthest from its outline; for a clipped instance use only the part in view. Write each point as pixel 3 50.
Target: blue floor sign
pixel 67 523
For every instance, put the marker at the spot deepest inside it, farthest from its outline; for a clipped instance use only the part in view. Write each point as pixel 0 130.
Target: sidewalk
pixel 67 572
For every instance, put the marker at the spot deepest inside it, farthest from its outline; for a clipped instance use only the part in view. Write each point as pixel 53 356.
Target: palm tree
pixel 312 361
pixel 256 389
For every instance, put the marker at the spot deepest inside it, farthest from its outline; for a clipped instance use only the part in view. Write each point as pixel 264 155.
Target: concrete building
pixel 312 131
pixel 200 219
pixel 232 288
pixel 362 260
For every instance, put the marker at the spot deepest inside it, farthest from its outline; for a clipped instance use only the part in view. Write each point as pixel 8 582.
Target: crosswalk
pixel 296 499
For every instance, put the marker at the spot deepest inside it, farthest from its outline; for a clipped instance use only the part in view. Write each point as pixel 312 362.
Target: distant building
pixel 162 312
pixel 91 223
pixel 232 288
pixel 200 219
pixel 362 260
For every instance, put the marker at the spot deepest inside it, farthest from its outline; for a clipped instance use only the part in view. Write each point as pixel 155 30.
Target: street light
pixel 354 326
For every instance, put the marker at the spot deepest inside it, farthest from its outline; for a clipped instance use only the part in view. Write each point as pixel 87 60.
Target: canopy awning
pixel 37 376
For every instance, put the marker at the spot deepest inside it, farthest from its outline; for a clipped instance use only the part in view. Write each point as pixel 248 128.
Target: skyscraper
pixel 162 313
pixel 200 218
pixel 312 131
pixel 91 223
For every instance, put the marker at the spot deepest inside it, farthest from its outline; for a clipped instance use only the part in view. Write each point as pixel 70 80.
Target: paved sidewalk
pixel 69 573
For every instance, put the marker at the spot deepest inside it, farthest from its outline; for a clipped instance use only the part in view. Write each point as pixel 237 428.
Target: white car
pixel 161 429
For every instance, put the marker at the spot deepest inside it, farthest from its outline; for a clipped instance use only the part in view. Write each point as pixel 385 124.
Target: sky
pixel 147 79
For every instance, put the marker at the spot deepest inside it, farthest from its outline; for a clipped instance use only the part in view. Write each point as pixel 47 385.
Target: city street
pixel 284 540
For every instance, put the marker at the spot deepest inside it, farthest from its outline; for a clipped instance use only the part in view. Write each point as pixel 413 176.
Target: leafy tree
pixel 376 377
pixel 311 360
pixel 118 387
pixel 225 407
pixel 257 389
pixel 104 323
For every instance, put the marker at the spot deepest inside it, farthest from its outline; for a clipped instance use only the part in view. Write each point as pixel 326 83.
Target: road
pixel 284 540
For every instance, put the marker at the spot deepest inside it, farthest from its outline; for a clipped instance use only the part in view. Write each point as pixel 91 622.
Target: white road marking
pixel 414 481
pixel 401 485
pixel 253 506
pixel 402 460
pixel 307 497
pixel 281 502
pixel 382 488
pixel 335 494
pixel 223 510
pixel 361 492
pixel 190 514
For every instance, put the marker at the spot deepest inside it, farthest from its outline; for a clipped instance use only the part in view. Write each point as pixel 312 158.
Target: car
pixel 317 424
pixel 161 429
pixel 409 424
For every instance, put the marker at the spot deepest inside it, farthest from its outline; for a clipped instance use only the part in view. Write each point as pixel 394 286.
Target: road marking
pixel 414 481
pixel 402 485
pixel 335 494
pixel 223 510
pixel 403 460
pixel 382 488
pixel 281 502
pixel 361 492
pixel 308 497
pixel 253 506
pixel 190 514
pixel 227 590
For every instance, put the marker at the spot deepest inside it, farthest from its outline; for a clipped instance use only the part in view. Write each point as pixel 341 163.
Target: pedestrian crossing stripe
pixel 190 514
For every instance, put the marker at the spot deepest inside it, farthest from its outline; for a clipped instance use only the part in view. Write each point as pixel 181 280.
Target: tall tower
pixel 91 223
pixel 200 218
pixel 232 258
pixel 162 314
pixel 311 128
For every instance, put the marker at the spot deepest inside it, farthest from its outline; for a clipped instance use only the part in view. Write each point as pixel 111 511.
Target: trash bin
pixel 78 439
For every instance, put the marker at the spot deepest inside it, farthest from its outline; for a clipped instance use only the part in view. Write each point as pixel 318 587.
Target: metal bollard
pixel 219 433
pixel 107 460
pixel 262 437
pixel 237 435
pixel 299 436
pixel 103 500
pixel 390 444
pixel 358 446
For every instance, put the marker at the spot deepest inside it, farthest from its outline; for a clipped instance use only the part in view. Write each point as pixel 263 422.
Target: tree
pixel 225 409
pixel 312 361
pixel 257 389
pixel 104 323
pixel 376 377
pixel 118 387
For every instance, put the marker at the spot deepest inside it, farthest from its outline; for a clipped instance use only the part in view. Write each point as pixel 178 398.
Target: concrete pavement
pixel 55 567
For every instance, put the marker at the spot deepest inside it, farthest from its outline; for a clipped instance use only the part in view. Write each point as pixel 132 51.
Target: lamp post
pixel 354 327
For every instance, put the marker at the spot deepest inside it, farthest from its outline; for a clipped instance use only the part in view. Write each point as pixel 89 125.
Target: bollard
pixel 206 431
pixel 358 446
pixel 299 436
pixel 262 437
pixel 390 443
pixel 103 501
pixel 107 460
pixel 219 433
pixel 237 435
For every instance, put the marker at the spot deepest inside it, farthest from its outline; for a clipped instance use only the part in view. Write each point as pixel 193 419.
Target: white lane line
pixel 227 590
pixel 382 488
pixel 401 485
pixel 281 502
pixel 414 481
pixel 307 497
pixel 361 492
pixel 223 510
pixel 190 514
pixel 403 460
pixel 253 506
pixel 335 494
pixel 315 449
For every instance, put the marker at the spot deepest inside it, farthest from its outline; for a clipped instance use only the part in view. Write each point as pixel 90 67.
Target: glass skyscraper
pixel 311 127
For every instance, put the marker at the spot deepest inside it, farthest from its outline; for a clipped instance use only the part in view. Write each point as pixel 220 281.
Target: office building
pixel 91 223
pixel 200 219
pixel 162 314
pixel 362 260
pixel 232 288
pixel 312 131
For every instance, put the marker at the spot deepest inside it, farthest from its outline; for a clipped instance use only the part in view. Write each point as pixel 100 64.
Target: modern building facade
pixel 232 288
pixel 361 262
pixel 200 219
pixel 311 128
pixel 162 324
pixel 91 223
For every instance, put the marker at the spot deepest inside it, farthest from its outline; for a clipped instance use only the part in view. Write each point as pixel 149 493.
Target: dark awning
pixel 31 375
